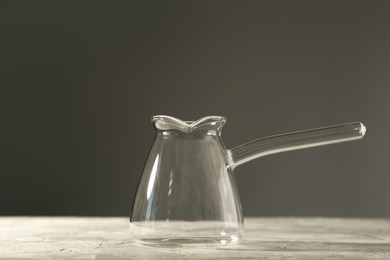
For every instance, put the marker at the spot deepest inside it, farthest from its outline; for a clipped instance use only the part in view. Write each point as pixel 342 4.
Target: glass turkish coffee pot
pixel 188 196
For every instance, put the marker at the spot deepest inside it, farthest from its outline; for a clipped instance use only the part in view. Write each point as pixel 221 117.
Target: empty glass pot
pixel 187 195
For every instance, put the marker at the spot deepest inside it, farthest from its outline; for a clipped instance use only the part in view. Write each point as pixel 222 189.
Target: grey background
pixel 80 80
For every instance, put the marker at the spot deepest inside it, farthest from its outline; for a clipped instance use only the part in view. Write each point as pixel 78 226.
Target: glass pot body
pixel 187 193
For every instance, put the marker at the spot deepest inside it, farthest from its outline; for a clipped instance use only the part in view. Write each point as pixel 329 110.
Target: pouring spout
pixel 297 140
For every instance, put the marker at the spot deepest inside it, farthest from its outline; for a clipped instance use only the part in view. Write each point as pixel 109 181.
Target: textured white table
pixel 265 238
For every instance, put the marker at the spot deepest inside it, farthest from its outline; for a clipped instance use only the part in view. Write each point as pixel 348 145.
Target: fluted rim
pixel 163 122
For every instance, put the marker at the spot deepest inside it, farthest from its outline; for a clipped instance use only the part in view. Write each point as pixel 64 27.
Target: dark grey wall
pixel 80 80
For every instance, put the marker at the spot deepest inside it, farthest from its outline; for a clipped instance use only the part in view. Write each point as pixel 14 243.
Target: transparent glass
pixel 187 195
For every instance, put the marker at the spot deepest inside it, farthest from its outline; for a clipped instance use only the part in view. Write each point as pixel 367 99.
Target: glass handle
pixel 297 140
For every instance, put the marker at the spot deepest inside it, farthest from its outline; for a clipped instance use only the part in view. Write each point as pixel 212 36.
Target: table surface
pixel 265 238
